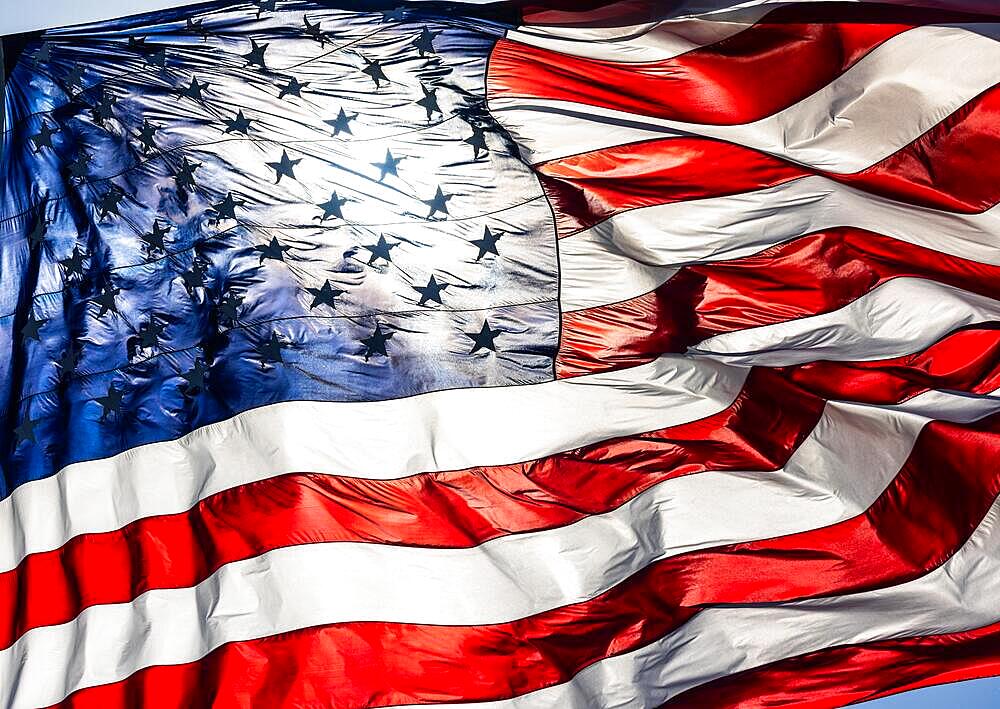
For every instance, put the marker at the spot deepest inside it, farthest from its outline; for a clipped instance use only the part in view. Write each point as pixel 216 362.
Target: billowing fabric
pixel 173 246
pixel 572 355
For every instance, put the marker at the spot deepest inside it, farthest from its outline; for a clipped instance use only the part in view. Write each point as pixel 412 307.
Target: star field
pixel 322 209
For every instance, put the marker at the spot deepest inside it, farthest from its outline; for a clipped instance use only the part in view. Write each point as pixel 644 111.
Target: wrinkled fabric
pixel 211 257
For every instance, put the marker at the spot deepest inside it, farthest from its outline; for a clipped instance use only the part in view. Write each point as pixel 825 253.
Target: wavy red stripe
pixel 586 189
pixel 591 13
pixel 814 274
pixel 967 360
pixel 854 673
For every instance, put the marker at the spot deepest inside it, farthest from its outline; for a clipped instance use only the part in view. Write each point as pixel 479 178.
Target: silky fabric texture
pixel 221 288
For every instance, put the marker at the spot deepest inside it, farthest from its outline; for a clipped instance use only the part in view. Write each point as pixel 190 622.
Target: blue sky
pixel 18 16
pixel 977 694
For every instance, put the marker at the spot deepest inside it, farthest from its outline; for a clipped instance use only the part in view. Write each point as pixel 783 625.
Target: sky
pixel 20 16
pixel 977 694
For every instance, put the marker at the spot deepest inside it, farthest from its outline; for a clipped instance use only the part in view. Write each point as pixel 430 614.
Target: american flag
pixel 593 356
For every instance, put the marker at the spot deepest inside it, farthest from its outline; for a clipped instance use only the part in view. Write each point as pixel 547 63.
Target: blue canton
pixel 211 209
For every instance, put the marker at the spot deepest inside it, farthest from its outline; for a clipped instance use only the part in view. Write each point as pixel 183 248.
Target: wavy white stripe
pixel 633 252
pixel 595 273
pixel 898 317
pixel 646 42
pixel 885 101
pixel 444 430
pixel 851 456
pixel 960 595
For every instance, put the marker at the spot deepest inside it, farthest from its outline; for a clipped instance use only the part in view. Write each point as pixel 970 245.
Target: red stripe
pixel 946 168
pixel 591 13
pixel 942 493
pixel 739 79
pixel 854 673
pixel 588 188
pixel 967 360
pixel 450 509
pixel 361 665
pixel 814 274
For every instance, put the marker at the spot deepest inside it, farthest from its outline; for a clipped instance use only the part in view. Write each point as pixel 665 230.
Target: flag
pixel 589 355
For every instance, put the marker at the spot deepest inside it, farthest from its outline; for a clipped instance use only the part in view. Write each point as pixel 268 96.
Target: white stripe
pixel 444 430
pixel 900 316
pixel 960 595
pixel 648 42
pixel 885 101
pixel 635 251
pixel 595 273
pixel 853 454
